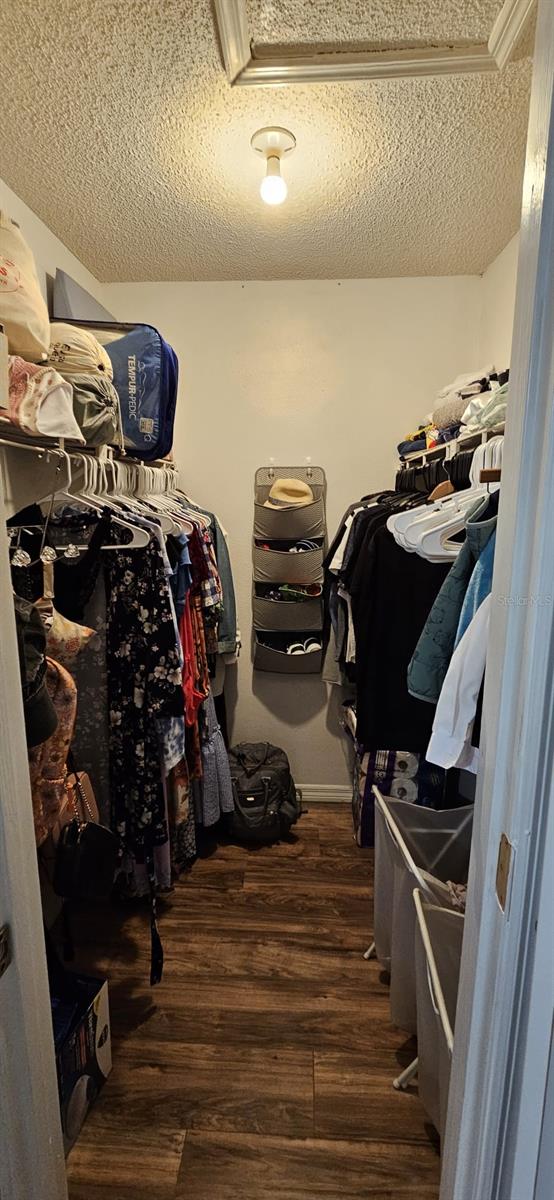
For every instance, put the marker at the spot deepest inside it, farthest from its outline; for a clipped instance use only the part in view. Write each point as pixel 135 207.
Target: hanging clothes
pixel 479 586
pixel 377 601
pixel 432 654
pixel 217 788
pixel 450 744
pixel 378 598
pixel 144 682
pixel 392 593
pixel 181 817
pixel 228 636
pixel 146 619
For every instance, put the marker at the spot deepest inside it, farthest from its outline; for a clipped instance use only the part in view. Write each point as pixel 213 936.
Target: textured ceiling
pixel 120 130
pixel 371 24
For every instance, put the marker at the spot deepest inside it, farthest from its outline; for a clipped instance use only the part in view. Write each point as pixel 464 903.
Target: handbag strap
pixel 83 798
pixel 72 768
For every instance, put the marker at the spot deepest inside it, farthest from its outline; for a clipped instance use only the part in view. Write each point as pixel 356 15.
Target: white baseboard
pixel 325 793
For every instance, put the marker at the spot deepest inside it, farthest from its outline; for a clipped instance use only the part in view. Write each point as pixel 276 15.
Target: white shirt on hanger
pixel 450 744
pixel 337 560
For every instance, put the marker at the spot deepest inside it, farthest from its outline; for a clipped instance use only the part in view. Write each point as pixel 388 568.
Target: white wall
pixel 498 294
pixel 335 371
pixel 48 250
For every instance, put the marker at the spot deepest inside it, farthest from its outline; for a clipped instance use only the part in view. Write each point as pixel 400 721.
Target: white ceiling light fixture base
pixel 246 69
pixel 273 140
pixel 273 143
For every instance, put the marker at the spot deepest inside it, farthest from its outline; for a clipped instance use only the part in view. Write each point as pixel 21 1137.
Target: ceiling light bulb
pixel 273 188
pixel 273 143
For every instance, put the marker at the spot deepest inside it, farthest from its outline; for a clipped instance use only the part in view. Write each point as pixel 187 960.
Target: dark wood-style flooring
pixel 261 1067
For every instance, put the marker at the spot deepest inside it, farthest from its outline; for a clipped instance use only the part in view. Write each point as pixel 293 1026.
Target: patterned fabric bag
pixel 40 400
pixel 75 351
pixel 23 311
pixel 96 409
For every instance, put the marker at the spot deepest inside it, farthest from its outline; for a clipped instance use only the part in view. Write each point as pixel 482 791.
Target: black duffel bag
pixel 267 803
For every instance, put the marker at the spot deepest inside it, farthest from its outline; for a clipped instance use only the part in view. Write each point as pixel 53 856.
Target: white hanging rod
pixel 12 435
pixel 42 443
pixel 29 483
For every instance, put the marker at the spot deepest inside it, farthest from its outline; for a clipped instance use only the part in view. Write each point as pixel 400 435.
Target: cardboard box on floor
pixel 83 1054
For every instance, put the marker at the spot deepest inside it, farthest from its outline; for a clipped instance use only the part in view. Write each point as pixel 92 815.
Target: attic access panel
pixel 251 60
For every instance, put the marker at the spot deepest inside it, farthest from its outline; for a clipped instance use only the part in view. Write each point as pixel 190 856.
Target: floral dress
pixel 144 683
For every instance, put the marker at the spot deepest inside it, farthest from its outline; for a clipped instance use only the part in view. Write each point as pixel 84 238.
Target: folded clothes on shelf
pixel 412 445
pixel 438 436
pixel 487 410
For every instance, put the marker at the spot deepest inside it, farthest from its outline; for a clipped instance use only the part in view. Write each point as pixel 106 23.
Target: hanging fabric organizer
pixel 287 555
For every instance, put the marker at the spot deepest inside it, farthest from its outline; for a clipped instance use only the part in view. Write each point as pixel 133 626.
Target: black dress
pixel 392 594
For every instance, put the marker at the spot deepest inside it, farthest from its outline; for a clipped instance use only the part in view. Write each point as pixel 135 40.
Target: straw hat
pixel 289 493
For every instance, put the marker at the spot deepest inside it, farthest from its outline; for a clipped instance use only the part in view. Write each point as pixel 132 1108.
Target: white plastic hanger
pixel 88 499
pixel 436 544
pixel 121 494
pixel 428 530
pixel 151 485
pixel 195 512
pixel 400 524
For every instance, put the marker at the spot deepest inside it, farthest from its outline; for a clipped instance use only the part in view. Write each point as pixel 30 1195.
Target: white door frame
pixel 502 1040
pixel 505 1005
pixel 32 1165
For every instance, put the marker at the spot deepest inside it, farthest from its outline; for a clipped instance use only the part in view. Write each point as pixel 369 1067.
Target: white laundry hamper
pixel 438 952
pixel 414 847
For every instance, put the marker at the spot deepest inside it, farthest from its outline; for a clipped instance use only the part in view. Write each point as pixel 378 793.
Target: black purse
pixel 86 856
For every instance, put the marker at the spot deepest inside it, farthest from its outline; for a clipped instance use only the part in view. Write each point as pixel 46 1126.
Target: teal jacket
pixel 431 657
